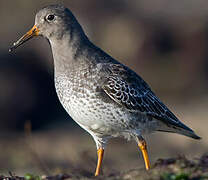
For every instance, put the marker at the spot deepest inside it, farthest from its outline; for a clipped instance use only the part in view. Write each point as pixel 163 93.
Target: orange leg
pixel 100 153
pixel 143 147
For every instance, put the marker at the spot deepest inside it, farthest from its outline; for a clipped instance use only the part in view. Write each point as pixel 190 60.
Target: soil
pixel 179 168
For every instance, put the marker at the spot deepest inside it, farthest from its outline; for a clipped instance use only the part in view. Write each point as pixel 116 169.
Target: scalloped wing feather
pixel 129 90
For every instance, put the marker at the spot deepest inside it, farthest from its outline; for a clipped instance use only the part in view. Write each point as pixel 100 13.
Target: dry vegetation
pixel 178 168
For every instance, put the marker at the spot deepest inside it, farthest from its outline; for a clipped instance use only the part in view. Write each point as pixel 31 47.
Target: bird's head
pixel 52 22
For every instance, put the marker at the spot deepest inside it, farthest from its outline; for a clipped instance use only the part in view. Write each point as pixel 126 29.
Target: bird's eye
pixel 50 17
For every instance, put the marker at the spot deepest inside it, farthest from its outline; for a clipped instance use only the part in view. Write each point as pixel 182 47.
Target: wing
pixel 129 90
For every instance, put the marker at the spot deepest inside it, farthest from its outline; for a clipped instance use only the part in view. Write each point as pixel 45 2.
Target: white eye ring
pixel 50 17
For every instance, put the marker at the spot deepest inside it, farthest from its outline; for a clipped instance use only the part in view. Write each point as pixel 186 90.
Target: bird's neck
pixel 75 52
pixel 67 53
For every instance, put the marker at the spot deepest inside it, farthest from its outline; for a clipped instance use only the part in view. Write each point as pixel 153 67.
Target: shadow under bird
pixel 103 96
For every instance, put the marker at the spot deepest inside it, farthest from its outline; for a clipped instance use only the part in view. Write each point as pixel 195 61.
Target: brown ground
pixel 178 168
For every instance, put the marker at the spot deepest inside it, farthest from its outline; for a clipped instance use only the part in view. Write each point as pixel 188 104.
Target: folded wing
pixel 129 90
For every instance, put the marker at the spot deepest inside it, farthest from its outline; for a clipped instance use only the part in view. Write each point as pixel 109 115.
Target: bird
pixel 103 96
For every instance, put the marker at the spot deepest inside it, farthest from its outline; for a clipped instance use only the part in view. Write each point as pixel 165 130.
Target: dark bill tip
pixel 30 34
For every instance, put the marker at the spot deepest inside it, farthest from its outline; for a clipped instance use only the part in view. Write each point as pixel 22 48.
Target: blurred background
pixel 165 41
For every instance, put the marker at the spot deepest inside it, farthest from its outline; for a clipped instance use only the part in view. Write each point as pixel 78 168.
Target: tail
pixel 178 128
